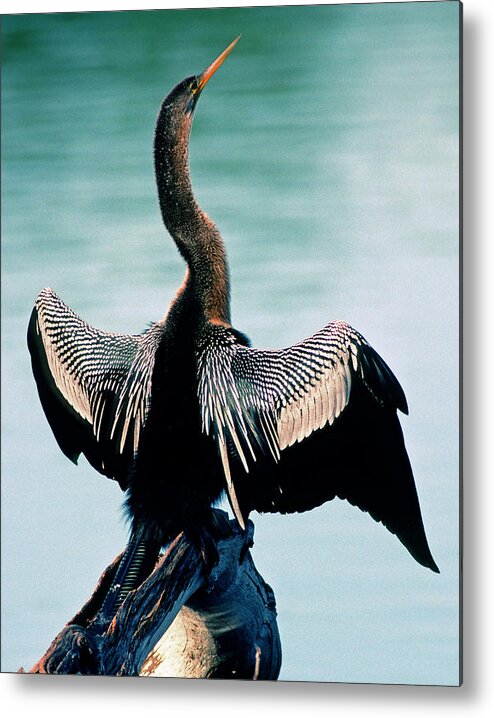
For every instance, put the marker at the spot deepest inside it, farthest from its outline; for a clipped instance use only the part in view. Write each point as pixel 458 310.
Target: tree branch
pixel 179 622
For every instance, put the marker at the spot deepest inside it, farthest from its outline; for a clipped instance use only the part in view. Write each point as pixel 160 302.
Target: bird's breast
pixel 177 464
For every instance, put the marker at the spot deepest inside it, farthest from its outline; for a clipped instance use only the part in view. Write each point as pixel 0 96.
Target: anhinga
pixel 187 410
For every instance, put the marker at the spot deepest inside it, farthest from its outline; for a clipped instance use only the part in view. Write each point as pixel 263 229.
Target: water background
pixel 326 149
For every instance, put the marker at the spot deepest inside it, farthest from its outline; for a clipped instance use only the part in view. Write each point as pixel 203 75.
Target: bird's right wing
pixel 94 386
pixel 300 426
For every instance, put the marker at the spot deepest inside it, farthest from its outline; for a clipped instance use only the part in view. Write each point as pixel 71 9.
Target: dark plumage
pixel 187 409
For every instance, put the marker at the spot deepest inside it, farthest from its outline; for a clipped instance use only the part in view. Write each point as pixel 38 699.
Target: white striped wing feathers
pixel 319 385
pixel 305 386
pixel 104 377
pixel 275 398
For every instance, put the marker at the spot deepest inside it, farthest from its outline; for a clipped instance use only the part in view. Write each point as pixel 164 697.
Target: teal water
pixel 326 150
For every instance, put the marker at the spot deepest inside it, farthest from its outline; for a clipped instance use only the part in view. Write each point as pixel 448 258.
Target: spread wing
pixel 300 426
pixel 94 386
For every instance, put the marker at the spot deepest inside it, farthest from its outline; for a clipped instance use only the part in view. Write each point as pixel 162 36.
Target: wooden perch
pixel 179 622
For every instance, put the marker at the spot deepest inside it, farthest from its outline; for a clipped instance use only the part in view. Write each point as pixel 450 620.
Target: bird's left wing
pixel 299 426
pixel 275 398
pixel 94 386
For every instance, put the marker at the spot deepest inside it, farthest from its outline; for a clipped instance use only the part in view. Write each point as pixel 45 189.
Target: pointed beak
pixel 209 71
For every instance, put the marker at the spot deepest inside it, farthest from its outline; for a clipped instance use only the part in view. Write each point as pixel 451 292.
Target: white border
pixel 66 695
pixel 22 6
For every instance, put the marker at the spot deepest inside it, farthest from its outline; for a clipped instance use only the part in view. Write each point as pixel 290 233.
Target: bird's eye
pixel 193 85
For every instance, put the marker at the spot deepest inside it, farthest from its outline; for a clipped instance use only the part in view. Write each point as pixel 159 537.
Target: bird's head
pixel 183 98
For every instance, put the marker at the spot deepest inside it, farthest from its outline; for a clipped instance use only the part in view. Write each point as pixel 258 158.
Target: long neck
pixel 195 235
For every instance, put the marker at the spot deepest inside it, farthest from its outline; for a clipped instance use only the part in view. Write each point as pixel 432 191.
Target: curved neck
pixel 195 235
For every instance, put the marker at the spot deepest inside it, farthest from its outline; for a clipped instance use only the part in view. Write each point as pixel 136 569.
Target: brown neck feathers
pixel 195 235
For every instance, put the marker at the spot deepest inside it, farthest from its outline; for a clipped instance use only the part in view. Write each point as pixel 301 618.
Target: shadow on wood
pixel 179 622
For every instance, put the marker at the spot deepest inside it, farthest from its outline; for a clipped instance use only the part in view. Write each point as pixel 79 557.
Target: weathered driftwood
pixel 179 622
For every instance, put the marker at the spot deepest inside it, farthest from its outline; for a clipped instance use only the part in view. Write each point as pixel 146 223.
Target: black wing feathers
pixel 294 428
pixel 381 381
pixel 360 458
pixel 324 413
pixel 73 434
pixel 94 386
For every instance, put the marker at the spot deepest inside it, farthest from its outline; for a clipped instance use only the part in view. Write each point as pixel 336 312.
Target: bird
pixel 188 411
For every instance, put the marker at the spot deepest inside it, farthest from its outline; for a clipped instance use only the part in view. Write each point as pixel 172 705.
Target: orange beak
pixel 209 71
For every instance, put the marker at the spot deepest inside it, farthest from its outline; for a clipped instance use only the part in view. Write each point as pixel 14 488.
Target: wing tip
pixel 43 294
pixel 382 379
pixel 423 554
pixel 432 564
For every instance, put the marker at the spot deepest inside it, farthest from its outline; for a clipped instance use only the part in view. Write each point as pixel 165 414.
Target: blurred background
pixel 326 150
